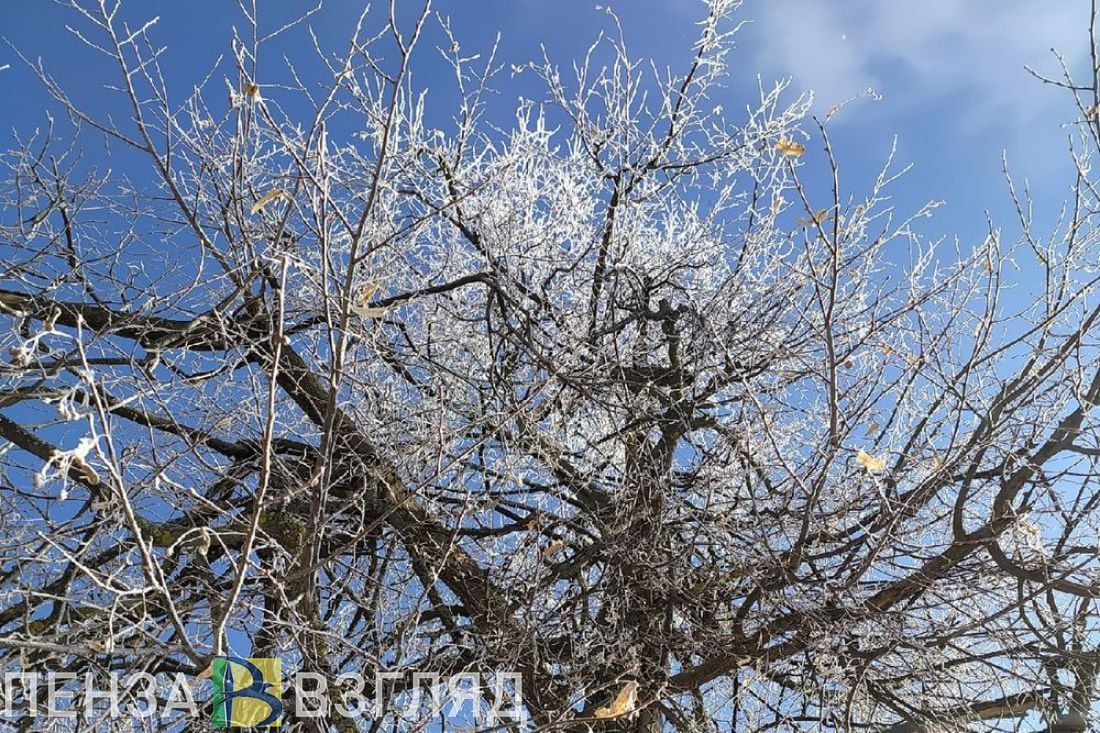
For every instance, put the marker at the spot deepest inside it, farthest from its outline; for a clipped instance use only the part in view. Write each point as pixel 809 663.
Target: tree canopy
pixel 617 396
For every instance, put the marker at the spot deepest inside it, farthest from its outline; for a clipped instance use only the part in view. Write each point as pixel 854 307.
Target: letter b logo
pixel 247 692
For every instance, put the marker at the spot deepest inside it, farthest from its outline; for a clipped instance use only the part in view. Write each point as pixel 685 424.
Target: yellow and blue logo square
pixel 247 692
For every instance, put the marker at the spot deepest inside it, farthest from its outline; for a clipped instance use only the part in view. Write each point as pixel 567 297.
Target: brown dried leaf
pixel 267 198
pixel 623 703
pixel 790 148
pixel 818 217
pixel 553 549
pixel 366 293
pixel 869 462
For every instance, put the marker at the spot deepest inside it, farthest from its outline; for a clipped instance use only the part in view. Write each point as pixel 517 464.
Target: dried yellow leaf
pixel 366 293
pixel 1090 111
pixel 623 703
pixel 818 217
pixel 869 462
pixel 553 549
pixel 267 198
pixel 252 91
pixel 790 147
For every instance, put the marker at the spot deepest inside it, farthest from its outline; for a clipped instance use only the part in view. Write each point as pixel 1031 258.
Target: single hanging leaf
pixel 202 547
pixel 553 549
pixel 252 91
pixel 267 198
pixel 367 292
pixel 790 148
pixel 361 309
pixel 818 217
pixel 869 462
pixel 623 703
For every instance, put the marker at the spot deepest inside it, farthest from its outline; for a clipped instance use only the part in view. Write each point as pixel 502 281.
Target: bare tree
pixel 623 396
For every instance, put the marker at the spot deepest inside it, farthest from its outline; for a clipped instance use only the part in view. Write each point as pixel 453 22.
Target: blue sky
pixel 951 74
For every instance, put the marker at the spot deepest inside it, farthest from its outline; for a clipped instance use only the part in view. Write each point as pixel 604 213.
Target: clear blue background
pixel 951 74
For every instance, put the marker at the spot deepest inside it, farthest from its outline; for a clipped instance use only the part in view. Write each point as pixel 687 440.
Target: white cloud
pixel 917 51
